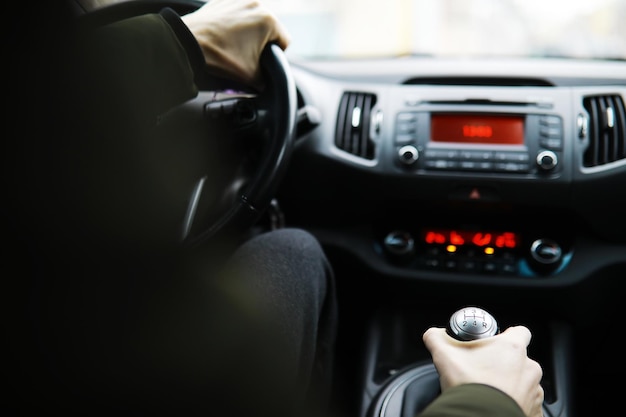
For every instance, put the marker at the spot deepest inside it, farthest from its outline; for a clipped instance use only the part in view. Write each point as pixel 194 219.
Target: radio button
pixel 551 143
pixel 441 154
pixel 409 128
pixel 477 155
pixel 551 132
pixel 410 117
pixel 441 164
pixel 512 157
pixel 476 166
pixel 511 167
pixel 552 121
pixel 469 165
pixel 405 139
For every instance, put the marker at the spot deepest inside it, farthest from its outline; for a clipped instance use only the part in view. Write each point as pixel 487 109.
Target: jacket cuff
pixel 187 40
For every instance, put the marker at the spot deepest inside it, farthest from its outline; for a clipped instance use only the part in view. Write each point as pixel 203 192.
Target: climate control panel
pixel 471 251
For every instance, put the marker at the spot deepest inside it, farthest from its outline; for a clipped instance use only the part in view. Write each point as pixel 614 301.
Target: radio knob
pixel 408 155
pixel 547 160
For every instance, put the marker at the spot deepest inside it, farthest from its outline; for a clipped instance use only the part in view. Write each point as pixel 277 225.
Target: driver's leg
pixel 280 282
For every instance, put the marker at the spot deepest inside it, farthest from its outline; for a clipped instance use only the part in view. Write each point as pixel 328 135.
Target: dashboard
pixel 434 183
pixel 435 169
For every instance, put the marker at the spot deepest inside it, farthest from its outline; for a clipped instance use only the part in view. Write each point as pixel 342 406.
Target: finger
pixel 519 334
pixel 434 337
pixel 276 31
pixel 282 37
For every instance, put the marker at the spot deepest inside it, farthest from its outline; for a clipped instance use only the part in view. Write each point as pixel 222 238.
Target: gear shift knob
pixel 471 323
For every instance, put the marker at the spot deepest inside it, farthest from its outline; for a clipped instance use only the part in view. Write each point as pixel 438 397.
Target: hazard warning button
pixel 478 194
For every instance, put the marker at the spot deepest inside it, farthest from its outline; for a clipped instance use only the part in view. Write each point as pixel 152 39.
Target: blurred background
pixel 371 28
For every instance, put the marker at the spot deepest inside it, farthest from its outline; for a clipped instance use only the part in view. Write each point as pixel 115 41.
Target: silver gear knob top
pixel 471 323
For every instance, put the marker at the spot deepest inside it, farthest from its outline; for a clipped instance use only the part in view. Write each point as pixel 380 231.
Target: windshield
pixel 586 29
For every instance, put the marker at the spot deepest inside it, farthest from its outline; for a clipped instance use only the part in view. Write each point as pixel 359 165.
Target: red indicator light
pixel 481 239
pixel 463 238
pixel 471 131
pixel 506 240
pixel 456 238
pixel 435 238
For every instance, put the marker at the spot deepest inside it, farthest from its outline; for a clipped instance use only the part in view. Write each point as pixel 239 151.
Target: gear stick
pixel 471 323
pixel 411 390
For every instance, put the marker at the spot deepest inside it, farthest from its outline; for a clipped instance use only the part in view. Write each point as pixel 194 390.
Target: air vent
pixel 607 130
pixel 353 124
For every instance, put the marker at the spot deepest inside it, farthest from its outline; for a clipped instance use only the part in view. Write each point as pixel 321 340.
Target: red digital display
pixel 464 238
pixel 477 129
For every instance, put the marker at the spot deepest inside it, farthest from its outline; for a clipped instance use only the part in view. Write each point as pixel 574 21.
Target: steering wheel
pixel 244 137
pixel 254 140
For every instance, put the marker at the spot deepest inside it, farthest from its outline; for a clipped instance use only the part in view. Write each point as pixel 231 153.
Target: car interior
pixel 438 184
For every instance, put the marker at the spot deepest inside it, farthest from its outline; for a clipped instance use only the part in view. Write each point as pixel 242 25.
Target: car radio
pixel 514 143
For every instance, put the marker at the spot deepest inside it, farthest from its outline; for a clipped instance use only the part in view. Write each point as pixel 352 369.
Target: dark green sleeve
pixel 473 400
pixel 142 65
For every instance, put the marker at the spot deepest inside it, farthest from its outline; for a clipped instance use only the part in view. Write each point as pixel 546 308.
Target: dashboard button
pixel 468 266
pixel 511 157
pixel 432 263
pixel 467 193
pixel 409 128
pixel 508 268
pixel 490 267
pixel 551 143
pixel 511 167
pixel 477 155
pixel 405 139
pixel 410 117
pixel 441 153
pixel 441 164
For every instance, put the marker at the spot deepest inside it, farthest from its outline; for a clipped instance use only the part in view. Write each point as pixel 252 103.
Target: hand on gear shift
pixel 497 360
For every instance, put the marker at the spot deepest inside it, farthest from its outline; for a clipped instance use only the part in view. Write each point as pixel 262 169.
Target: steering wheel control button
pixel 546 251
pixel 472 323
pixel 238 109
